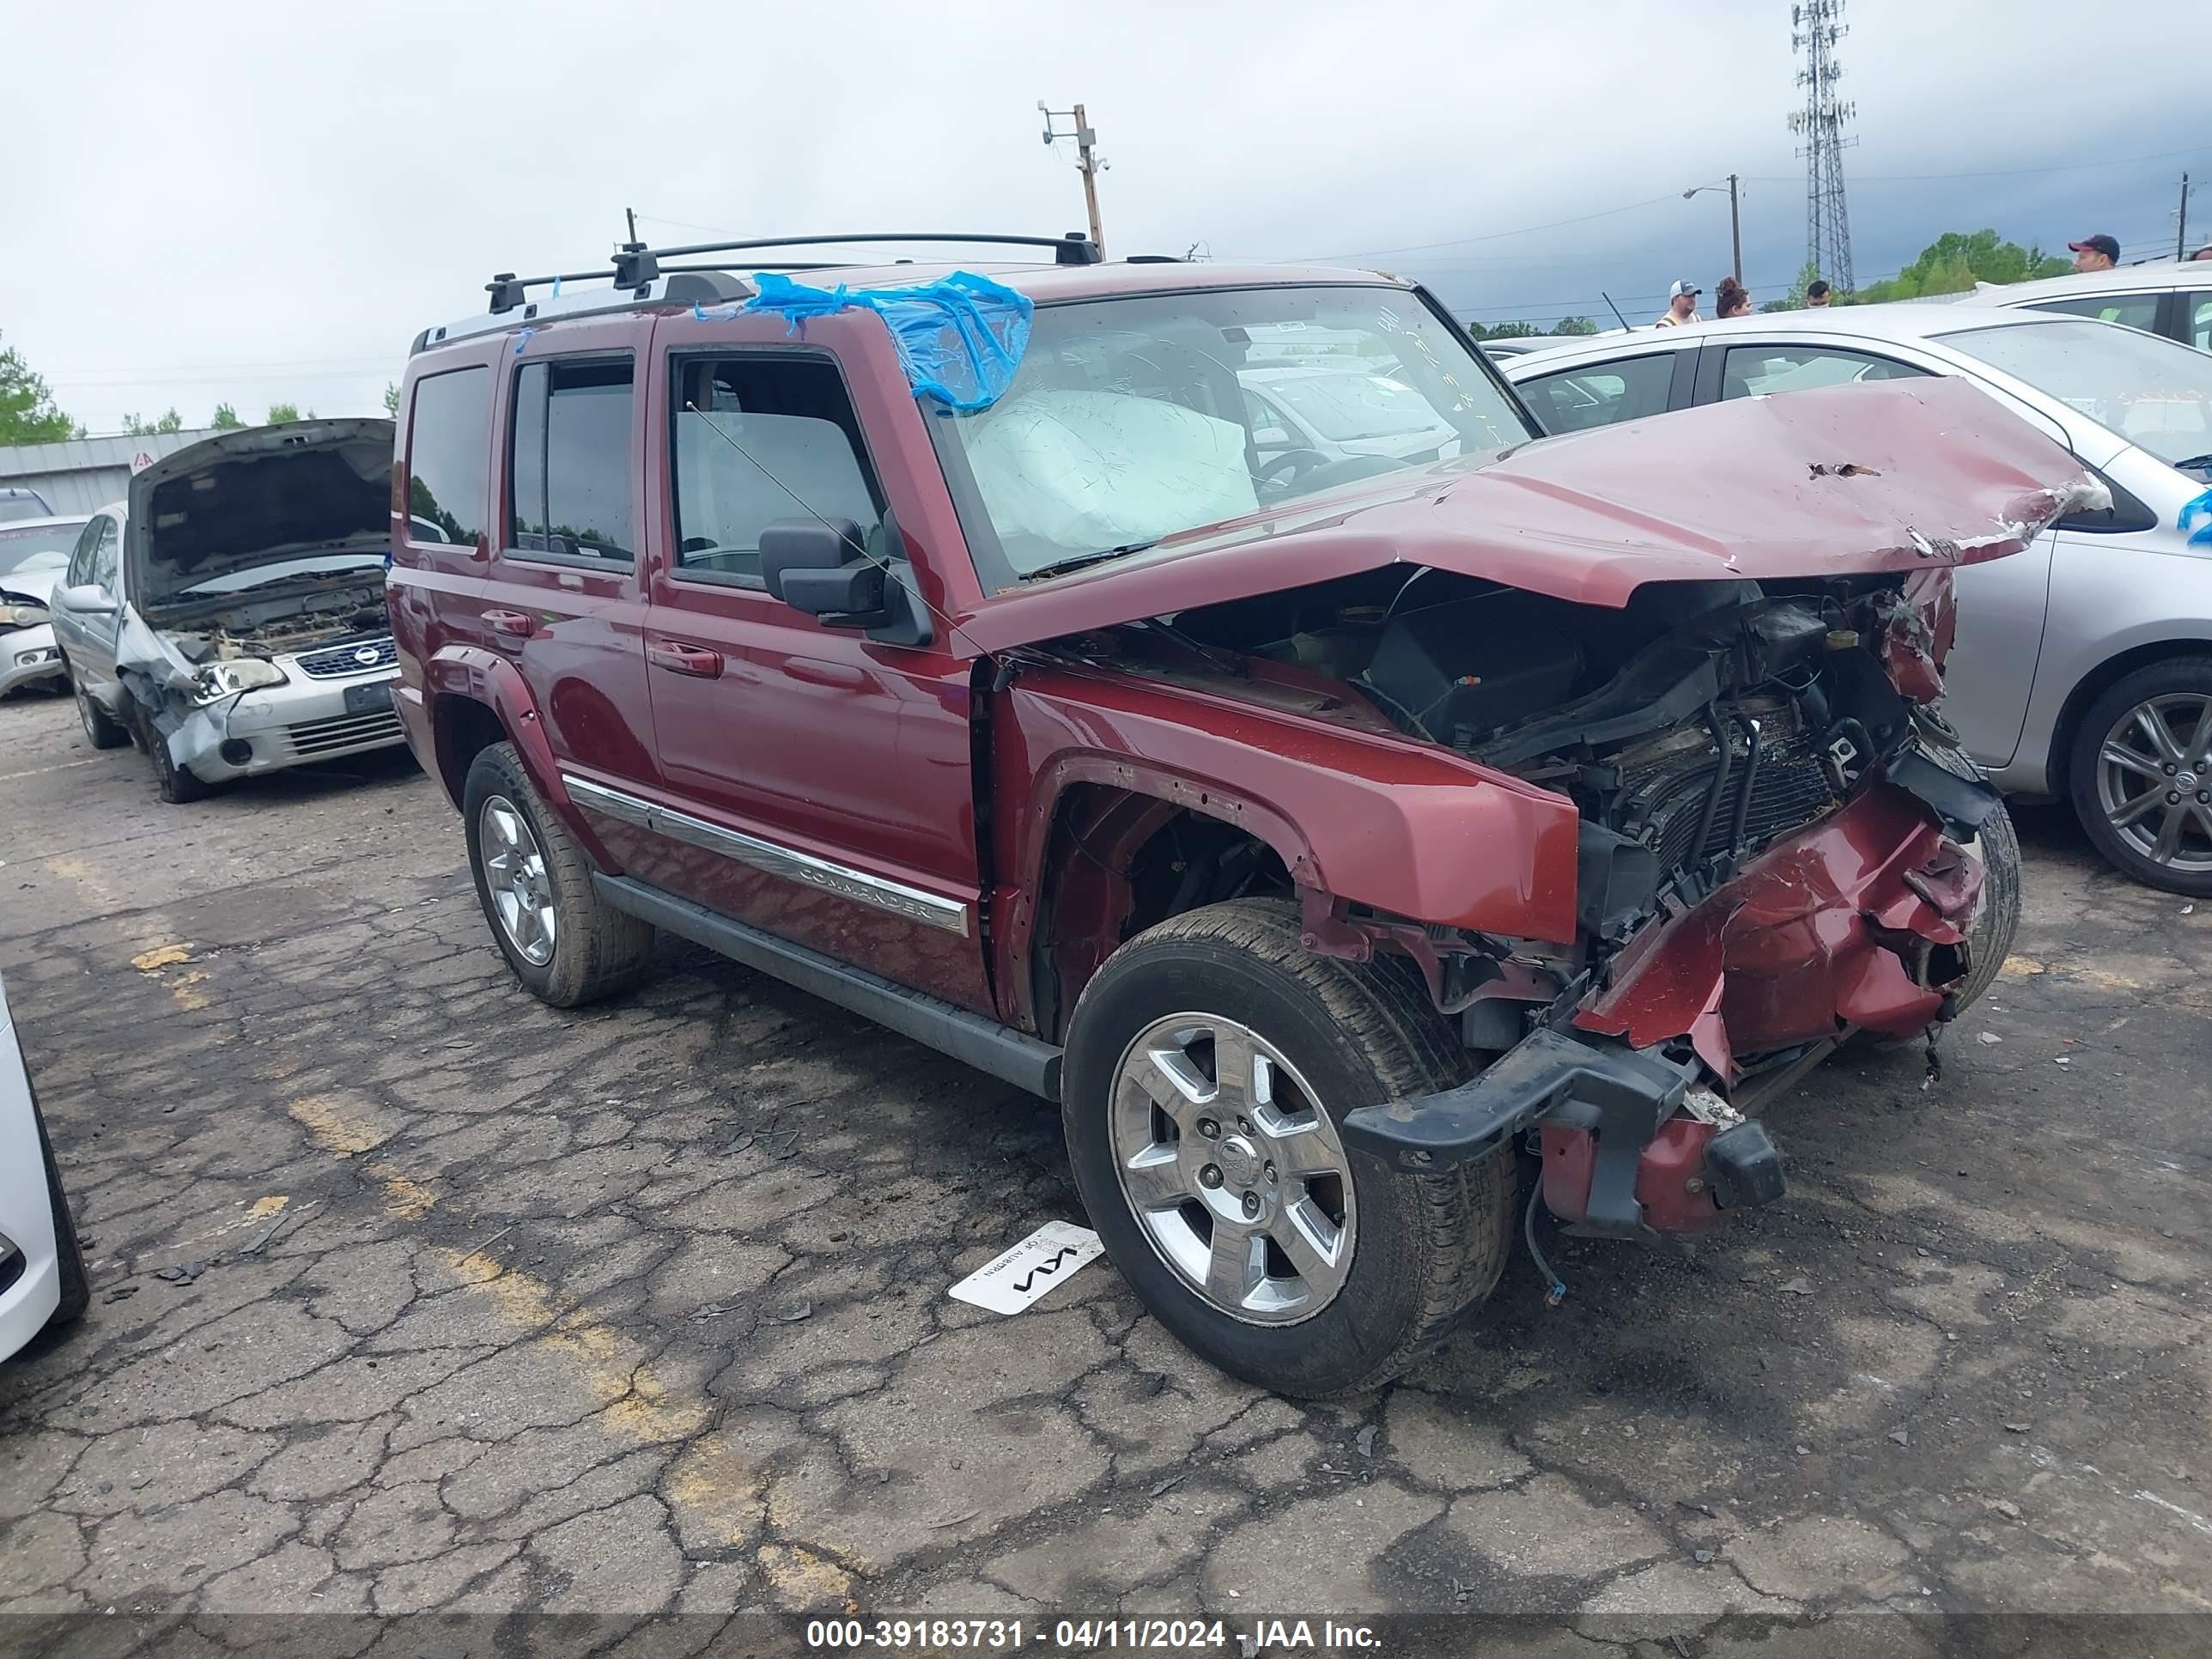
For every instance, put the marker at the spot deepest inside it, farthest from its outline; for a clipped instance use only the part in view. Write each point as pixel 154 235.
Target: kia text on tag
pixel 1009 1282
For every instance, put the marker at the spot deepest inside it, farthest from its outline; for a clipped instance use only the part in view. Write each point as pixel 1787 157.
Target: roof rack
pixel 636 264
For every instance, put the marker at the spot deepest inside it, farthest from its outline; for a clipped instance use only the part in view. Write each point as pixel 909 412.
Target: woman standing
pixel 1731 299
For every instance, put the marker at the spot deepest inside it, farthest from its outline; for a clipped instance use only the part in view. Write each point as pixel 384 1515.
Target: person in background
pixel 1731 299
pixel 1817 294
pixel 2099 252
pixel 1681 305
pixel 2205 253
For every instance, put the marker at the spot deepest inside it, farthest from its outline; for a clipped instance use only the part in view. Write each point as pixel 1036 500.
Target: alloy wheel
pixel 1233 1169
pixel 515 876
pixel 2155 780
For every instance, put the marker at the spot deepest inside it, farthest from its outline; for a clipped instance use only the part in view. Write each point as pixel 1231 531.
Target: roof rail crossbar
pixel 507 288
pixel 636 264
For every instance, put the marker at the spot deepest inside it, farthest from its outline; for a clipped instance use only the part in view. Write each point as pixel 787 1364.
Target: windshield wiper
pixel 2194 463
pixel 1084 560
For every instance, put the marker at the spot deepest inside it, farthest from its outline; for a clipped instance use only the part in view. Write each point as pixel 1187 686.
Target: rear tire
pixel 101 729
pixel 1996 920
pixel 76 1284
pixel 1411 1254
pixel 564 943
pixel 2174 698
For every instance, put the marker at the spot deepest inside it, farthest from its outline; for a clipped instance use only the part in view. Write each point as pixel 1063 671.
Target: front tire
pixel 564 943
pixel 177 785
pixel 2141 775
pixel 1210 1063
pixel 1996 920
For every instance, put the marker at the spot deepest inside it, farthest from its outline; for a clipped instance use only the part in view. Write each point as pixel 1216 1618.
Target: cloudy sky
pixel 250 202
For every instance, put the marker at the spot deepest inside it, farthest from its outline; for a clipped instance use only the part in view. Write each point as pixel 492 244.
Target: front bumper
pixel 284 726
pixel 28 656
pixel 1857 922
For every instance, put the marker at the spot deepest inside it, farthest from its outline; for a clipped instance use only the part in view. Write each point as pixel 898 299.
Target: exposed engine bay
pixel 1691 728
pixel 342 609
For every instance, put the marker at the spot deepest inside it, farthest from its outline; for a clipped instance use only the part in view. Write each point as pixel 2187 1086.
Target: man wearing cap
pixel 1681 305
pixel 2099 252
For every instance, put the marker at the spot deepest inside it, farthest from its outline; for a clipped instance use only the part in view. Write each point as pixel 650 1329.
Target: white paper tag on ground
pixel 1049 1256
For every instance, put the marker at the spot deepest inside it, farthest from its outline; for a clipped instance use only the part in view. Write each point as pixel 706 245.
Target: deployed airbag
pixel 1087 471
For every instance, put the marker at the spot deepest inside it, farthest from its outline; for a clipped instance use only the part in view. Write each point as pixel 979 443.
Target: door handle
pixel 836 674
pixel 680 658
pixel 511 624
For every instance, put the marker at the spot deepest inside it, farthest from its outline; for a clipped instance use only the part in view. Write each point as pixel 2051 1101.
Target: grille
pixel 1667 780
pixel 312 737
pixel 337 660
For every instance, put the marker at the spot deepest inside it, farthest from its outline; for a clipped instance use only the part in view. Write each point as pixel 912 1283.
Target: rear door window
pixel 758 438
pixel 570 460
pixel 1759 371
pixel 1601 394
pixel 447 444
pixel 2197 320
pixel 2129 310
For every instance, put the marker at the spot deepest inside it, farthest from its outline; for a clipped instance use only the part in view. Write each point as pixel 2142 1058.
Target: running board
pixel 1008 1054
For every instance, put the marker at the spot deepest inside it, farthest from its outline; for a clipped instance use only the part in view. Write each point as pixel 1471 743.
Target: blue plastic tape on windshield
pixel 960 339
pixel 2190 509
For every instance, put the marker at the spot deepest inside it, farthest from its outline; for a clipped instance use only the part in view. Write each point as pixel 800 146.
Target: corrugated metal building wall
pixel 86 473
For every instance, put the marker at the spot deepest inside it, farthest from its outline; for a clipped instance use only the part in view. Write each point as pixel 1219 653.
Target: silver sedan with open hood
pixel 229 616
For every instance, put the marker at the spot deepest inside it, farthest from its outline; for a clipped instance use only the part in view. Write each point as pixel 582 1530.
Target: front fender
pixel 1379 820
pixel 473 674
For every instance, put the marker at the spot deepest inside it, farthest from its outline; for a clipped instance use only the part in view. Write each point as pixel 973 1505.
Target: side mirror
pixel 812 565
pixel 85 599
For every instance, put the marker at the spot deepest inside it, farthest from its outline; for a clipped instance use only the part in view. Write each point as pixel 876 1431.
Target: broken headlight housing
pixel 218 680
pixel 24 616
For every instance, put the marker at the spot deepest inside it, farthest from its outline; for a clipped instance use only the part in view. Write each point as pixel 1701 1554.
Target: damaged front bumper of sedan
pixel 1642 1088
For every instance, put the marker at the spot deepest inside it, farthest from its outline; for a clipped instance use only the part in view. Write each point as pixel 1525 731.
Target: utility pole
pixel 2181 222
pixel 1735 230
pixel 1090 163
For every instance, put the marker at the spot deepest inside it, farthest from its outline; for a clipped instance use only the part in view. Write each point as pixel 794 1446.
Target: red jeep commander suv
pixel 1321 823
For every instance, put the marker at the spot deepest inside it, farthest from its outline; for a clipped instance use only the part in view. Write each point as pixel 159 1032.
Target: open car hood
pixel 263 496
pixel 1894 475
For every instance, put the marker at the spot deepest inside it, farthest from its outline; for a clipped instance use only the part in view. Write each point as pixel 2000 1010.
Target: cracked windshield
pixel 1132 419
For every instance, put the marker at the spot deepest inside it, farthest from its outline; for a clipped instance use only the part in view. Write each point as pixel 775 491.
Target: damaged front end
pixel 1776 828
pixel 253 632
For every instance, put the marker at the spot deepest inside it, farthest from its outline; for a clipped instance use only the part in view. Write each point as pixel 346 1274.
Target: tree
pixel 1956 260
pixel 391 398
pixel 282 414
pixel 27 415
pixel 1574 325
pixel 172 421
pixel 1508 332
pixel 226 419
pixel 1808 274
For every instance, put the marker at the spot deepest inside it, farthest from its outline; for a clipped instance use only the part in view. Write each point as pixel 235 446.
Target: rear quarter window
pixel 448 441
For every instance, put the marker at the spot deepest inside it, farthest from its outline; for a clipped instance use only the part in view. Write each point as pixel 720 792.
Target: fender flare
pixel 473 674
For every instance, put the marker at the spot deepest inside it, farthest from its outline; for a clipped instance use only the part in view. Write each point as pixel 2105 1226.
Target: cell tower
pixel 1815 26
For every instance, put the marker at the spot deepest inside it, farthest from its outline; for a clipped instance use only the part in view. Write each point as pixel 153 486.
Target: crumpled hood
pixel 1893 476
pixel 35 586
pixel 238 499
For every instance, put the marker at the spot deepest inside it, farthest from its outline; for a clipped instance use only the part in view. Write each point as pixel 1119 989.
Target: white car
pixel 33 552
pixel 42 1277
pixel 2083 666
pixel 2173 297
pixel 230 615
pixel 1297 411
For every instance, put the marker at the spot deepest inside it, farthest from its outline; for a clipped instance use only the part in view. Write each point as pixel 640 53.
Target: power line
pixel 2001 173
pixel 1487 236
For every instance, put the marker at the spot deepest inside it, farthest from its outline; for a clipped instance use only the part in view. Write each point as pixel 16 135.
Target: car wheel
pixel 76 1284
pixel 2141 775
pixel 177 785
pixel 1996 920
pixel 564 943
pixel 1210 1063
pixel 101 730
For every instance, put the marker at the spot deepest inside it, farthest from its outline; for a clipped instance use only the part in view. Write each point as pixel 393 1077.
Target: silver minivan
pixel 2083 666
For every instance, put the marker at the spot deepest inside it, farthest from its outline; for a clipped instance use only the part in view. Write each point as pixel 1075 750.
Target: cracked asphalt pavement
pixel 473 1305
